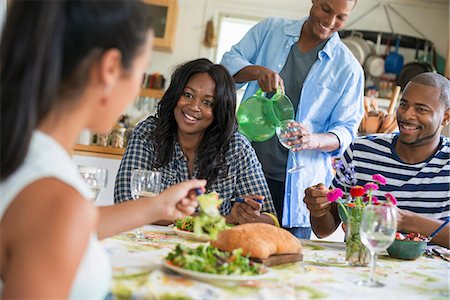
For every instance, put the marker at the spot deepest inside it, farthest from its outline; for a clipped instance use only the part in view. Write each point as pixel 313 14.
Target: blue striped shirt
pixel 423 188
pixel 244 175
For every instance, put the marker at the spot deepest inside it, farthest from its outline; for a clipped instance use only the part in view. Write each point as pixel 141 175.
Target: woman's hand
pixel 178 200
pixel 248 211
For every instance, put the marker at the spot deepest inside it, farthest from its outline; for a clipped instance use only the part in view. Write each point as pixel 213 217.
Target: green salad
pixel 186 224
pixel 208 259
pixel 209 220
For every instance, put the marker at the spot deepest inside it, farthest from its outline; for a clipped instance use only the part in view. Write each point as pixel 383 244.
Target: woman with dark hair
pixel 65 66
pixel 194 136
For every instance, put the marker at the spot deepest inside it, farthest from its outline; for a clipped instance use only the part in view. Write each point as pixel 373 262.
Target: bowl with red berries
pixel 408 246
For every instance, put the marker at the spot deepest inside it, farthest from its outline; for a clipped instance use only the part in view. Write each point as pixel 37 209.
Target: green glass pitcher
pixel 258 116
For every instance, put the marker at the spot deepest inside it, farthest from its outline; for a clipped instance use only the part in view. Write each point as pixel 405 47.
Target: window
pixel 231 31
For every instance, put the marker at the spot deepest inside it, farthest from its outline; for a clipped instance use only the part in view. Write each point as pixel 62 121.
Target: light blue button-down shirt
pixel 331 100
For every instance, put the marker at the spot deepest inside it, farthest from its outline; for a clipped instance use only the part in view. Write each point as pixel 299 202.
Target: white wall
pixel 106 195
pixel 430 17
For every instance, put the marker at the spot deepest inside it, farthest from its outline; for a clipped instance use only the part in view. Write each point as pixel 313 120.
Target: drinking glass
pixel 377 231
pixel 95 177
pixel 144 183
pixel 282 130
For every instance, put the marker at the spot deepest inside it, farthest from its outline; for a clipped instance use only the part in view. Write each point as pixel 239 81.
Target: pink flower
pixel 334 195
pixel 370 186
pixel 375 200
pixel 391 198
pixel 379 178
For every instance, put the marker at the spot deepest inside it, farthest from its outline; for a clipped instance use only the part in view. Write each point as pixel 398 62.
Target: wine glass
pixel 95 177
pixel 377 230
pixel 282 130
pixel 144 183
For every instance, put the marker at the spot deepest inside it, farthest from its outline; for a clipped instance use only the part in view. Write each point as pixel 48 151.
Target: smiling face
pixel 327 17
pixel 420 115
pixel 194 110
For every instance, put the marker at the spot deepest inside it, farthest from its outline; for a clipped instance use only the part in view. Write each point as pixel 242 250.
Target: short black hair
pixel 436 80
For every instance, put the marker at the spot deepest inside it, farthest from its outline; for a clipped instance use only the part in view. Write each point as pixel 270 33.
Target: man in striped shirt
pixel 415 162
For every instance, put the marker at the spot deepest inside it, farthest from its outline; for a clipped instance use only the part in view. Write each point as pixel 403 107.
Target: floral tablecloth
pixel 138 274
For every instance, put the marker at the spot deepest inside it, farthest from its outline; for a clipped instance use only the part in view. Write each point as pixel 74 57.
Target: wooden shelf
pixel 97 151
pixel 152 93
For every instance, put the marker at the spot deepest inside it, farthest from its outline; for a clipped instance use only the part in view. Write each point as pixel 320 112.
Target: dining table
pixel 139 273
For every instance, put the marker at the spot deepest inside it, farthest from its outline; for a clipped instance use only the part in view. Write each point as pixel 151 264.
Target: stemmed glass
pixel 377 231
pixel 144 183
pixel 282 130
pixel 95 177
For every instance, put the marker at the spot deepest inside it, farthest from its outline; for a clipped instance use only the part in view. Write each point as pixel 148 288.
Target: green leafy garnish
pixel 208 259
pixel 186 223
pixel 209 221
pixel 209 204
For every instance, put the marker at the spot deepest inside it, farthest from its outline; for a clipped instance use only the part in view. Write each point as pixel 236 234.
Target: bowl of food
pixel 410 246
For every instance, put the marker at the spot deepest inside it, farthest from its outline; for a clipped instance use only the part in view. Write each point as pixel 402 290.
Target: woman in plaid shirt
pixel 194 136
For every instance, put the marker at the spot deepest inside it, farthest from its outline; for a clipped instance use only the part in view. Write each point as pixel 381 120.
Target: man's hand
pixel 316 200
pixel 304 139
pixel 404 218
pixel 269 81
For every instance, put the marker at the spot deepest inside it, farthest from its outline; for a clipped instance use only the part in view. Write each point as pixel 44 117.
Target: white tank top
pixel 47 158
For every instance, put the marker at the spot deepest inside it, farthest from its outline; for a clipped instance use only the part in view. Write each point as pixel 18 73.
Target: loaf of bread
pixel 260 240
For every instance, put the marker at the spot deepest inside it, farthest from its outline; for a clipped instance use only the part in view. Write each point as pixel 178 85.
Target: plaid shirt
pixel 244 175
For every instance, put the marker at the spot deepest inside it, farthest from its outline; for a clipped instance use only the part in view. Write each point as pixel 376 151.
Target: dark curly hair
pixel 211 152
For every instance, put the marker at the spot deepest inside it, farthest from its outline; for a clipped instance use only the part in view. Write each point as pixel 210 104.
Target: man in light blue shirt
pixel 325 83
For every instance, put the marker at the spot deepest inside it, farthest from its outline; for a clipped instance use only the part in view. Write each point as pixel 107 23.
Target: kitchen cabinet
pixel 106 157
pixel 164 14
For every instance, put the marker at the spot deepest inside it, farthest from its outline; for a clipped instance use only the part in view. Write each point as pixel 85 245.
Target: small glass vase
pixel 356 253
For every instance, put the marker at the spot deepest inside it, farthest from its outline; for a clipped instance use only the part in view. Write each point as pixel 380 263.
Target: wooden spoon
pixel 373 121
pixel 389 119
pixel 373 118
pixel 362 126
pixel 392 127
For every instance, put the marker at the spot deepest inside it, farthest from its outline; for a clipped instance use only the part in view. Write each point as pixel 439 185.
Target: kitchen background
pixel 206 28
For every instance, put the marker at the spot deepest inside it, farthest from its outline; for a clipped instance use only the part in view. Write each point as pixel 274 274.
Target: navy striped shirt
pixel 423 188
pixel 244 175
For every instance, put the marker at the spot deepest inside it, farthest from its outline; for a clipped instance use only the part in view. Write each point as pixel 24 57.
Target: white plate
pixel 190 235
pixel 218 279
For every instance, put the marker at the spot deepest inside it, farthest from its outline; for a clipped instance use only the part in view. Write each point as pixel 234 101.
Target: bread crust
pixel 260 240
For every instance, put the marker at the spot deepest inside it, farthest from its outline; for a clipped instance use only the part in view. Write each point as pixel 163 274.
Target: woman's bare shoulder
pixel 49 205
pixel 45 233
